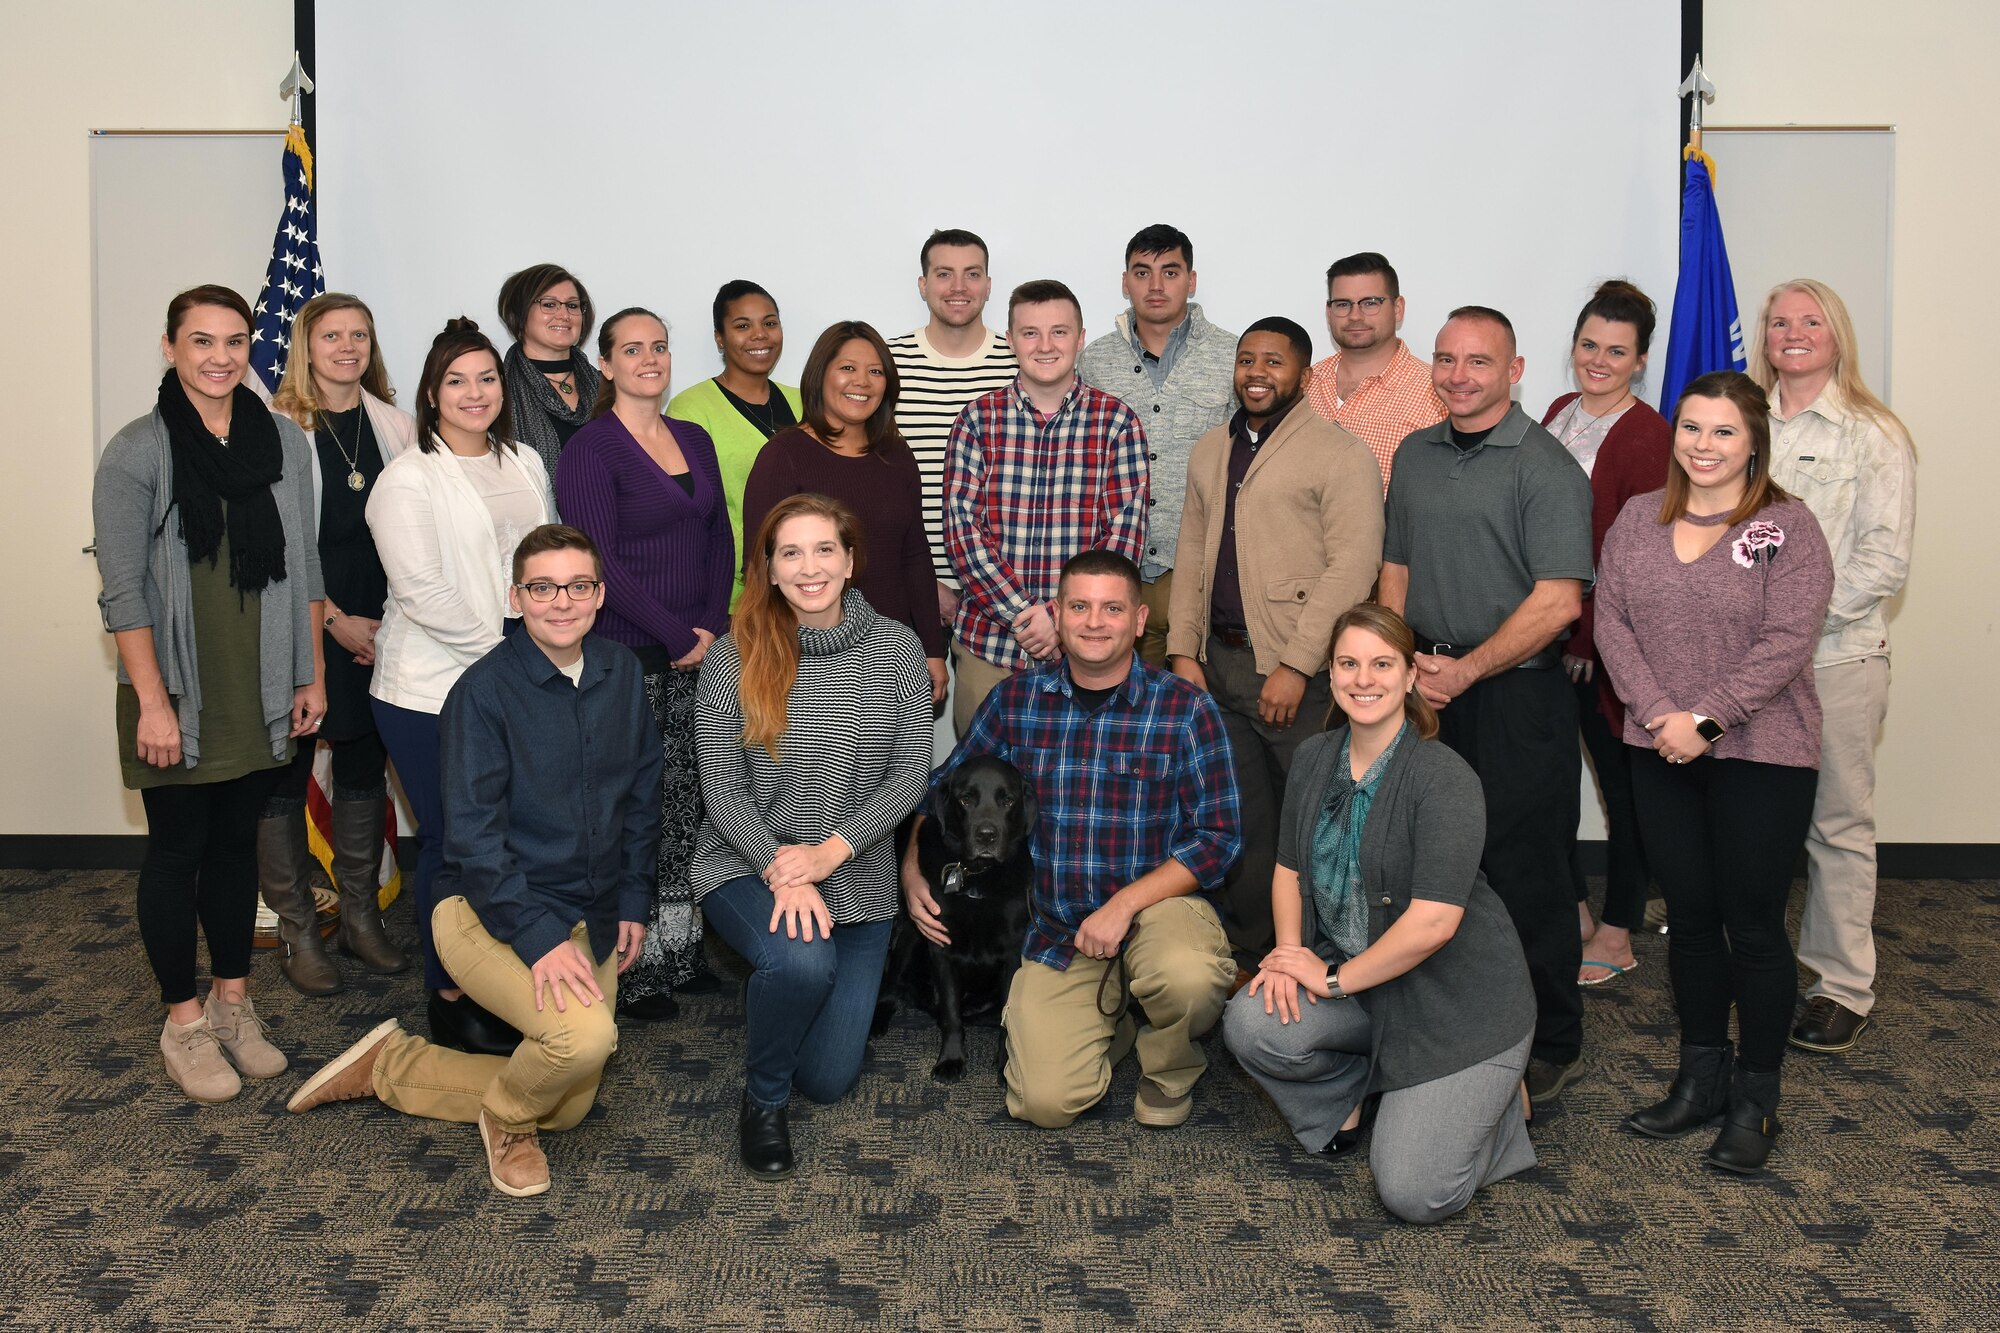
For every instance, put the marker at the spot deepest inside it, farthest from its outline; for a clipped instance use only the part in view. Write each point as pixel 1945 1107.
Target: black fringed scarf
pixel 227 487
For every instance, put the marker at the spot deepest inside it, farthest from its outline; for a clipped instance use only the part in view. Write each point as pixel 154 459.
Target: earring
pixel 1753 467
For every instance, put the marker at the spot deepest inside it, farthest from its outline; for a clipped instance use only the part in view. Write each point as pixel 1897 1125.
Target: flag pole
pixel 1697 86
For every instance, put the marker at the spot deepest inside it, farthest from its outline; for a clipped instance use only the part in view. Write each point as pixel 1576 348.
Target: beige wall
pixel 66 69
pixel 133 63
pixel 1927 70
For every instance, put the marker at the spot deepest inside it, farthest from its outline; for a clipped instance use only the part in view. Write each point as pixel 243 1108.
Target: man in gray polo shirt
pixel 1487 554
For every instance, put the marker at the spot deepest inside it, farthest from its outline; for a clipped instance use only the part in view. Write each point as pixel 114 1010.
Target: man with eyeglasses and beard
pixel 551 826
pixel 1373 385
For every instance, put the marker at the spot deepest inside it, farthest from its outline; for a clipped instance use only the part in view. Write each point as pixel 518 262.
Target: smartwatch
pixel 1333 982
pixel 1707 728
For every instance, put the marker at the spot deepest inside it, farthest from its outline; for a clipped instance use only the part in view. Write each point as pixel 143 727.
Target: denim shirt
pixel 551 795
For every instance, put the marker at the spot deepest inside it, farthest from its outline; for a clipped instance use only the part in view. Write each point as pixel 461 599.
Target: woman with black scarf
pixel 551 385
pixel 203 522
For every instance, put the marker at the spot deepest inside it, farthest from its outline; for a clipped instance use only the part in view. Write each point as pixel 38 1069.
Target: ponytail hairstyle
pixel 458 338
pixel 1393 630
pixel 765 627
pixel 297 396
pixel 607 339
pixel 1619 302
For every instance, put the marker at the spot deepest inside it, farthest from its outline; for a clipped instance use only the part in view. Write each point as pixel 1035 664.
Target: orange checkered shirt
pixel 1384 409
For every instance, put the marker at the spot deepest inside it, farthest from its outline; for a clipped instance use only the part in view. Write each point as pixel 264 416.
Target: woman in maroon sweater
pixel 1710 599
pixel 648 491
pixel 848 448
pixel 1623 445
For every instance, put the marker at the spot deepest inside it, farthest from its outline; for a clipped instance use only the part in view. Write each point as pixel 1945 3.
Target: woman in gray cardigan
pixel 204 536
pixel 1397 970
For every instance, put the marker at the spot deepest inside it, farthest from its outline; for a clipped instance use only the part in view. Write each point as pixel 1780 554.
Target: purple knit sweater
pixel 668 555
pixel 1719 637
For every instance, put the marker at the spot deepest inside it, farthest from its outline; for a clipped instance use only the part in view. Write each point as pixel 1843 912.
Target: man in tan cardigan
pixel 1280 533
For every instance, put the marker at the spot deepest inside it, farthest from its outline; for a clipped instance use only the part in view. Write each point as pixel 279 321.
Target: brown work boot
pixel 514 1162
pixel 241 1033
pixel 195 1061
pixel 347 1077
pixel 1155 1108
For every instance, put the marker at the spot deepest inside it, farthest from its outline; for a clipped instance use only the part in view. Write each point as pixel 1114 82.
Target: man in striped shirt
pixel 1034 472
pixel 1373 385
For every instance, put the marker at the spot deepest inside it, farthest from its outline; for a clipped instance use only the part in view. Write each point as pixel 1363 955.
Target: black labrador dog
pixel 973 852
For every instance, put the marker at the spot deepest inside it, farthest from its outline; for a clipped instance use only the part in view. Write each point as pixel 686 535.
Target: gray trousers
pixel 1435 1144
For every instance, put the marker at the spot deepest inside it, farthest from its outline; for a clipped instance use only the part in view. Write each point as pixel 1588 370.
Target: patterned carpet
pixel 920 1206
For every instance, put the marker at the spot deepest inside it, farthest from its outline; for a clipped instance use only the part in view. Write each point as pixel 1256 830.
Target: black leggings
pixel 1627 877
pixel 1723 836
pixel 201 866
pixel 358 774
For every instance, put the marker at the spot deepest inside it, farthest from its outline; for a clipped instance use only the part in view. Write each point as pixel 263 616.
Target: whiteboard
pixel 168 212
pixel 1812 203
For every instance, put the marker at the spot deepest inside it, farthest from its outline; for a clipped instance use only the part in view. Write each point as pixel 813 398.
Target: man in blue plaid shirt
pixel 1139 822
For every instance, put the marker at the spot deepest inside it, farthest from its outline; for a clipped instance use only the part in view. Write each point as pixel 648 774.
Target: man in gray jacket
pixel 1177 371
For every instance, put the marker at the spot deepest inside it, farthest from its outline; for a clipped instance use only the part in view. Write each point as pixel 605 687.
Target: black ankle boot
pixel 1752 1125
pixel 765 1141
pixel 466 1025
pixel 1699 1095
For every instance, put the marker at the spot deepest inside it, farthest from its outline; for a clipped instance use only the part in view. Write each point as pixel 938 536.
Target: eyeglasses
pixel 550 305
pixel 1369 305
pixel 579 590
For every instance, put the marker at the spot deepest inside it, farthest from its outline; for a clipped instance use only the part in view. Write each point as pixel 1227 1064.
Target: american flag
pixel 294 275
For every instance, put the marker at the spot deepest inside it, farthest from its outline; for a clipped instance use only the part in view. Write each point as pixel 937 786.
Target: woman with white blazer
pixel 338 392
pixel 446 517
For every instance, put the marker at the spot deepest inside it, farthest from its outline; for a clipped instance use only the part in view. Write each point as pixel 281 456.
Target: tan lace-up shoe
pixel 514 1162
pixel 347 1077
pixel 195 1061
pixel 241 1033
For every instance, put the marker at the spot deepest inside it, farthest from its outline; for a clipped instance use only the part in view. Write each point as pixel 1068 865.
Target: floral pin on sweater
pixel 1760 541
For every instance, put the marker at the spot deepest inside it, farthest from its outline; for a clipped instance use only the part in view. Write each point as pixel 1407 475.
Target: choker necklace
pixel 558 371
pixel 355 481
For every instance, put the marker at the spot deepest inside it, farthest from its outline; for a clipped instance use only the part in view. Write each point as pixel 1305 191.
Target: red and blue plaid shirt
pixel 1145 777
pixel 1024 492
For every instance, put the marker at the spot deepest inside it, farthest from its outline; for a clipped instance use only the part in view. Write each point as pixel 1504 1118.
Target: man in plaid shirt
pixel 1034 473
pixel 1139 822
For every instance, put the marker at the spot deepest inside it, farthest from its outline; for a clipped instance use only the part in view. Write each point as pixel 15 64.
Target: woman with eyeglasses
pixel 338 392
pixel 551 385
pixel 743 407
pixel 1622 444
pixel 202 511
pixel 849 449
pixel 648 491
pixel 446 517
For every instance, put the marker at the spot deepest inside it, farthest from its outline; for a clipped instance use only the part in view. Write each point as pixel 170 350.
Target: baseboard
pixel 103 851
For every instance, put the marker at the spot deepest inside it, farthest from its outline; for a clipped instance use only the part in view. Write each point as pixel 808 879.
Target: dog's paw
pixel 949 1070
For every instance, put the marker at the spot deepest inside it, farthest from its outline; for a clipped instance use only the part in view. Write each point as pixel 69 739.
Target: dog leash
pixel 1124 980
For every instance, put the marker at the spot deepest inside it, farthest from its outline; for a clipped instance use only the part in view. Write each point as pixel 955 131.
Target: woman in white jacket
pixel 446 517
pixel 337 389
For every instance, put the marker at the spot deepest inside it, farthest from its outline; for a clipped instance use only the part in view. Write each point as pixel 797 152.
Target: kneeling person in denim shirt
pixel 1139 823
pixel 552 823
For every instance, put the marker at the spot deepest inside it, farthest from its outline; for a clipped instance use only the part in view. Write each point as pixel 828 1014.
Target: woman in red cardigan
pixel 1623 444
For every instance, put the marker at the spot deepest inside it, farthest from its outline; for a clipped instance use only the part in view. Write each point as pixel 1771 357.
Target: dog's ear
pixel 951 811
pixel 1030 807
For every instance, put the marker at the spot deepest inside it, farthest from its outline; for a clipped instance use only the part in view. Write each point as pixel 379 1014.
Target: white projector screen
pixel 1507 155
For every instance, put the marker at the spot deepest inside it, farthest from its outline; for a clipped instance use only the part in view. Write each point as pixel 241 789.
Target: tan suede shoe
pixel 514 1162
pixel 347 1077
pixel 195 1061
pixel 241 1033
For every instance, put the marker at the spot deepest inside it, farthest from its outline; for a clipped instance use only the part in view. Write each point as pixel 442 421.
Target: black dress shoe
pixel 465 1025
pixel 1828 1026
pixel 655 1008
pixel 765 1141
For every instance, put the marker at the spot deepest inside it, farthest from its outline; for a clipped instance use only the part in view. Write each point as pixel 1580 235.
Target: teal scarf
pixel 1341 906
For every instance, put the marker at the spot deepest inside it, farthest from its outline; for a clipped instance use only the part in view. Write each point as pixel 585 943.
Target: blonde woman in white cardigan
pixel 446 517
pixel 337 390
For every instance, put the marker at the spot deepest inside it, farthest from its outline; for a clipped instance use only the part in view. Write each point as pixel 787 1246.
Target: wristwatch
pixel 1333 982
pixel 328 622
pixel 1707 728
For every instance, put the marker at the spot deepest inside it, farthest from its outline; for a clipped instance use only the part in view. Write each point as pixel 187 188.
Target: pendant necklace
pixel 355 481
pixel 558 374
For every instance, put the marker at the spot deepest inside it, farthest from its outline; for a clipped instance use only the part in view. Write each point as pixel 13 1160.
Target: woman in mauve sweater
pixel 647 490
pixel 1623 445
pixel 814 723
pixel 848 448
pixel 1710 599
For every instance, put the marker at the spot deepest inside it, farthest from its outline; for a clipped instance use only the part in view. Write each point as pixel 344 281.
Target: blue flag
pixel 1707 333
pixel 294 276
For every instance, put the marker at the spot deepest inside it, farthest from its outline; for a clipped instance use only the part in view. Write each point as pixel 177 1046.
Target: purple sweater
pixel 668 555
pixel 1717 637
pixel 886 494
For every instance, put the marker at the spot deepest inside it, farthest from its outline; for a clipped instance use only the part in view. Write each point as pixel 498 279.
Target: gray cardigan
pixel 143 560
pixel 1471 999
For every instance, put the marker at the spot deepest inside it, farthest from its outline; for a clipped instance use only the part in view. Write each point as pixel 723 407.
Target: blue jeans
pixel 411 738
pixel 811 1001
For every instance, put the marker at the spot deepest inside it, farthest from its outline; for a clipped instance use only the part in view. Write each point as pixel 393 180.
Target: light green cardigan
pixel 737 444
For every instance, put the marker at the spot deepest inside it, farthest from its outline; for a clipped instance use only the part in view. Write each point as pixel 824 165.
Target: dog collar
pixel 954 877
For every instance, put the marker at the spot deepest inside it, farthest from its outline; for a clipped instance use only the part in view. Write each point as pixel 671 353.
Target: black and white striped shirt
pixel 934 390
pixel 854 760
